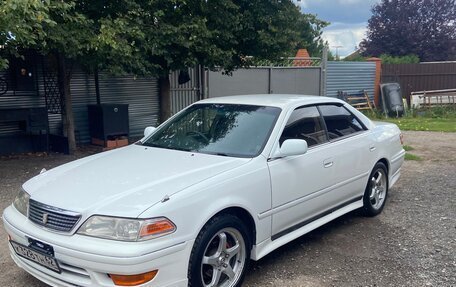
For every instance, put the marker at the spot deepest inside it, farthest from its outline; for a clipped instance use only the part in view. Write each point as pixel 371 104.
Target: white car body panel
pixel 122 176
pixel 134 181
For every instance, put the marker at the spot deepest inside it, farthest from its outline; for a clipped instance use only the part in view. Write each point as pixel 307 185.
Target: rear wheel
pixel 376 190
pixel 221 253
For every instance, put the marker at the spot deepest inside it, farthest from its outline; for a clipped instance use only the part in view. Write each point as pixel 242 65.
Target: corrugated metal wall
pixel 141 94
pixel 350 77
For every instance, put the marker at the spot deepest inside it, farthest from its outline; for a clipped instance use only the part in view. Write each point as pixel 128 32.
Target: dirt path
pixel 412 243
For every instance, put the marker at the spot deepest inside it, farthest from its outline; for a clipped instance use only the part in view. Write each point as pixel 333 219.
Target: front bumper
pixel 82 268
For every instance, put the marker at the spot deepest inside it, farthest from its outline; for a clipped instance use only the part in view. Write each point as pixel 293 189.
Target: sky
pixel 348 20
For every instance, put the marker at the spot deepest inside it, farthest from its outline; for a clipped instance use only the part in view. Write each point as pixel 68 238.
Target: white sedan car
pixel 222 182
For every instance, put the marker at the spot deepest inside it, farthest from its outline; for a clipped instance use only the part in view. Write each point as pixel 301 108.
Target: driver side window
pixel 305 124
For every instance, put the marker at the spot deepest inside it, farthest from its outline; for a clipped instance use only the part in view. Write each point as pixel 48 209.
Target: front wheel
pixel 376 190
pixel 220 254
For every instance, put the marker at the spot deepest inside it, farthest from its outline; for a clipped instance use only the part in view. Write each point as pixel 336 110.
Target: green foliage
pixel 407 148
pixel 45 26
pixel 331 56
pixel 355 58
pixel 409 156
pixel 310 29
pixel 3 63
pixel 159 36
pixel 441 119
pixel 154 37
pixel 407 59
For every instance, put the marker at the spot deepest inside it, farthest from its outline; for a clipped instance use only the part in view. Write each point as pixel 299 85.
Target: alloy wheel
pixel 224 259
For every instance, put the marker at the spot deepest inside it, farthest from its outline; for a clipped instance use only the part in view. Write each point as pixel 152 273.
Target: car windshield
pixel 221 129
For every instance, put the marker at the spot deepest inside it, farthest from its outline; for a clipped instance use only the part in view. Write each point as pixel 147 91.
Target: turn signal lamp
pixel 157 227
pixel 133 280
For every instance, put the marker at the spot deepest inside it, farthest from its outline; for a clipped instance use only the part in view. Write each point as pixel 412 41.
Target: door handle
pixel 372 148
pixel 327 164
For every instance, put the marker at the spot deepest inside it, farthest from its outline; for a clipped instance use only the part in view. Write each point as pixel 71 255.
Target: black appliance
pixel 108 121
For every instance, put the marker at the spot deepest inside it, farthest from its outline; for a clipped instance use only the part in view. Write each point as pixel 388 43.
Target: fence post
pixel 378 72
pixel 323 66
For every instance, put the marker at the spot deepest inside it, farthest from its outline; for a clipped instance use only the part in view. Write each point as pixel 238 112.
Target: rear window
pixel 339 121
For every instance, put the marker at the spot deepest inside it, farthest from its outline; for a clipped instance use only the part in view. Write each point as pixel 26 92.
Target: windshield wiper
pixel 221 154
pixel 165 147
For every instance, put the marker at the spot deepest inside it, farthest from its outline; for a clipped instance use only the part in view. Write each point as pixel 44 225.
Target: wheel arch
pixel 244 216
pixel 386 163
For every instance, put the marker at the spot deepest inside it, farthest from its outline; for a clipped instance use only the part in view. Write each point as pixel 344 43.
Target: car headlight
pixel 126 229
pixel 21 202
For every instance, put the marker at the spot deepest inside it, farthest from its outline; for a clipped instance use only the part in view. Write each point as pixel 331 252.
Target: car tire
pixel 376 190
pixel 220 254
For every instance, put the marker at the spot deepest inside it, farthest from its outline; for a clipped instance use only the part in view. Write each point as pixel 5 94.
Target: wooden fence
pixel 420 77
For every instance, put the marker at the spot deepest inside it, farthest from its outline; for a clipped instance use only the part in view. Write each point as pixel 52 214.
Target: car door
pixel 349 151
pixel 297 181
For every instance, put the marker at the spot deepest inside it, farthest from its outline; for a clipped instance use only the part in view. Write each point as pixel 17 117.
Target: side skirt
pixel 263 248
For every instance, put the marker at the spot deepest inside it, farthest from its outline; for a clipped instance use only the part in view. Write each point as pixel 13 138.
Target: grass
pixel 407 148
pixel 409 156
pixel 441 119
pixel 424 124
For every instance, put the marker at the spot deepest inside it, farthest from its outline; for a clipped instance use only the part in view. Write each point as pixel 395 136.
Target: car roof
pixel 274 100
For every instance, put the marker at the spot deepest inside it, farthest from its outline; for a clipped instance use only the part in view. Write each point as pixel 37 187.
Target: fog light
pixel 133 280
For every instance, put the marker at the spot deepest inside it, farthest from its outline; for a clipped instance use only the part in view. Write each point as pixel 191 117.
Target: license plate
pixel 35 256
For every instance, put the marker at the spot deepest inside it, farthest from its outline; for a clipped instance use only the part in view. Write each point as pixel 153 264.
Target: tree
pixel 218 33
pixel 407 59
pixel 425 28
pixel 310 29
pixel 48 27
pixel 144 37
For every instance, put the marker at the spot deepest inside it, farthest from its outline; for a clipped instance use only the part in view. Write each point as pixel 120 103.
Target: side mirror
pixel 293 147
pixel 148 131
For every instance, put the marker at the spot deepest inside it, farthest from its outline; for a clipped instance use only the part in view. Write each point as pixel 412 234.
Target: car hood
pixel 125 182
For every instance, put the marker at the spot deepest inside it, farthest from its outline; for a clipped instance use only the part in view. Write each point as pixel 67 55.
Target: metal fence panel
pixel 350 77
pixel 241 82
pixel 267 80
pixel 420 77
pixel 303 81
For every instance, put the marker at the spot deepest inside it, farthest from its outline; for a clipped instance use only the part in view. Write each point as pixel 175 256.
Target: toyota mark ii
pixel 225 181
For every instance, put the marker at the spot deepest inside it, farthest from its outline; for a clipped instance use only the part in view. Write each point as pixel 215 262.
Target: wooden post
pixel 378 72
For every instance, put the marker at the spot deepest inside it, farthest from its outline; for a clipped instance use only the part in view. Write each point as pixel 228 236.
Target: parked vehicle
pixel 223 181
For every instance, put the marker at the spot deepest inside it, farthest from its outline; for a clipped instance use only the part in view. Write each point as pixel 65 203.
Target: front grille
pixel 52 217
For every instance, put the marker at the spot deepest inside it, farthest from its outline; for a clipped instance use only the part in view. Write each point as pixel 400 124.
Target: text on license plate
pixel 35 256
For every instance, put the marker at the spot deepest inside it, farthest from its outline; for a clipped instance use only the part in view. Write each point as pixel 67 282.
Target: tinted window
pixel 222 129
pixel 305 123
pixel 339 121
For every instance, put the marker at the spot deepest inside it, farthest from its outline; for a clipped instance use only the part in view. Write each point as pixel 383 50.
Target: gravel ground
pixel 412 243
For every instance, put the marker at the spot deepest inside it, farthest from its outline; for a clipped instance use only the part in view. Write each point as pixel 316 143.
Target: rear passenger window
pixel 305 124
pixel 339 121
